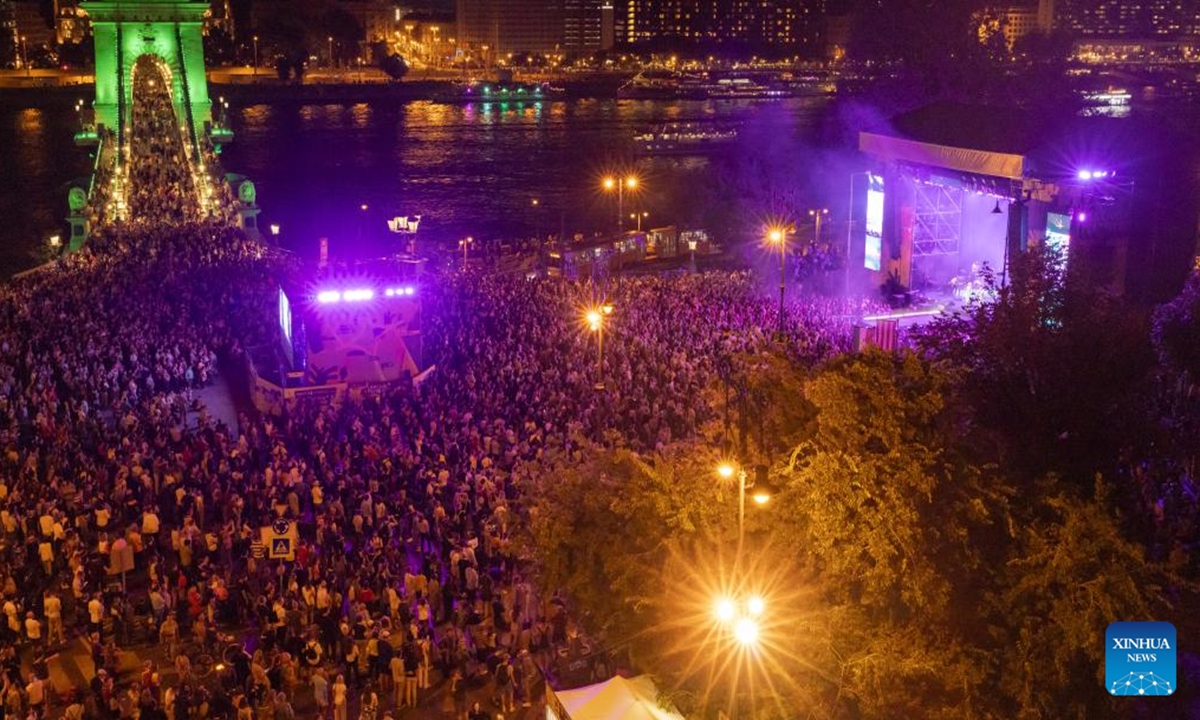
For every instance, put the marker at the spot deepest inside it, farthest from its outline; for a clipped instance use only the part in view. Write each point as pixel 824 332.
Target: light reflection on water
pixel 467 168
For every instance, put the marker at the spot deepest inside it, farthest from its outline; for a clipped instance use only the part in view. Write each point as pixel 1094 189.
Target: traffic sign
pixel 280 539
pixel 281 549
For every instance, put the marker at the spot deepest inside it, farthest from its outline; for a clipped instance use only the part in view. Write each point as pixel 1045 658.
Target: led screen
pixel 1058 233
pixel 285 317
pixel 873 256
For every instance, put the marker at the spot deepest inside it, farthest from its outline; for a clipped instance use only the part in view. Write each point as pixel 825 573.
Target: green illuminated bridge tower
pixel 169 31
pixel 156 144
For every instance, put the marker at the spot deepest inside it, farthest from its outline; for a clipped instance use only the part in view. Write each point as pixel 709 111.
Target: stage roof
pixel 1007 142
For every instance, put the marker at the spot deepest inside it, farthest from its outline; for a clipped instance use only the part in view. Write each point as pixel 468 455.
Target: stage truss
pixel 937 226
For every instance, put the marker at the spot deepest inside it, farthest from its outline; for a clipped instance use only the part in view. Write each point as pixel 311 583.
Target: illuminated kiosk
pixel 344 331
pixel 168 30
pixel 956 187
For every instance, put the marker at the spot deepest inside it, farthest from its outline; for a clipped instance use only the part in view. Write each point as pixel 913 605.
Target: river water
pixel 466 169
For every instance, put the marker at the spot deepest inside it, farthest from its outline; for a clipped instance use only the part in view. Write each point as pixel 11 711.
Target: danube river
pixel 466 169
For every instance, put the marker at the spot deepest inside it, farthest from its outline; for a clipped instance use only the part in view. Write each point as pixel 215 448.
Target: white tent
pixel 615 699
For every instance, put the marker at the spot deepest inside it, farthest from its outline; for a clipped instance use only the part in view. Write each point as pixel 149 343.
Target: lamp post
pixel 464 244
pixel 537 218
pixel 816 215
pixel 778 236
pixel 761 497
pixel 330 39
pixel 596 317
pixel 255 55
pixel 24 55
pixel 620 184
pixel 638 217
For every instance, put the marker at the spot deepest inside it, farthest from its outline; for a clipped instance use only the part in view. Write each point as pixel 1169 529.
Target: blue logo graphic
pixel 1139 658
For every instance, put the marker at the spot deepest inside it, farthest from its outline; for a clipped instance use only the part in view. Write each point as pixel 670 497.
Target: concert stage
pixel 956 191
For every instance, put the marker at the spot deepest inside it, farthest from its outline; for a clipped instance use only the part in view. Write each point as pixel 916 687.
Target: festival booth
pixel 618 698
pixel 345 330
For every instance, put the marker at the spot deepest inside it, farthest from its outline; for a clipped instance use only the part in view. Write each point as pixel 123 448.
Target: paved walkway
pixel 71 668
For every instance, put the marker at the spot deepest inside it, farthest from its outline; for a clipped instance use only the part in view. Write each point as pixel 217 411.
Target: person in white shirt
pixel 150 523
pixel 339 698
pixel 53 607
pixel 36 691
pixel 14 620
pixel 96 614
pixel 33 628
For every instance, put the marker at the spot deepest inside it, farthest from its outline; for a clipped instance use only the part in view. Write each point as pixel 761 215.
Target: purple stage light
pixel 1084 175
pixel 1081 217
pixel 328 296
pixel 358 294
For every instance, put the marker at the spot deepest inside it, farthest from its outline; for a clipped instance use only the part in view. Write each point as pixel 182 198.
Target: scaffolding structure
pixel 937 226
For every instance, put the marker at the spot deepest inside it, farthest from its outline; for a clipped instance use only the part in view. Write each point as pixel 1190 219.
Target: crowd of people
pixel 129 517
pixel 162 175
pixel 161 185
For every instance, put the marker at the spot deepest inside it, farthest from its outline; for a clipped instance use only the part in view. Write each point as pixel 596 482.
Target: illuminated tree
pixel 1050 373
pixel 1073 573
pixel 1177 331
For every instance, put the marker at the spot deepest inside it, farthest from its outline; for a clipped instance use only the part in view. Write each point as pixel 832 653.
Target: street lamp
pixel 24 55
pixel 537 218
pixel 256 55
pixel 761 495
pixel 740 616
pixel 55 241
pixel 595 318
pixel 638 217
pixel 778 236
pixel 816 215
pixel 620 184
pixel 275 229
pixel 464 244
pixel 330 39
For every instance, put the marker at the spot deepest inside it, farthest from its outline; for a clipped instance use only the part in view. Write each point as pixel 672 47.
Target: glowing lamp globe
pixel 746 631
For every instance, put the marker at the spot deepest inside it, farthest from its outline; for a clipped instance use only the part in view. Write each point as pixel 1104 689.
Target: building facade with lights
pixel 1124 18
pixel 535 26
pixel 9 38
pixel 765 24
